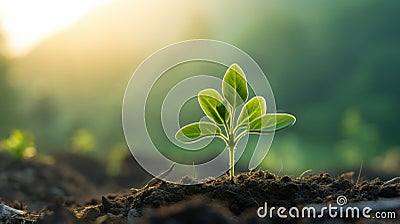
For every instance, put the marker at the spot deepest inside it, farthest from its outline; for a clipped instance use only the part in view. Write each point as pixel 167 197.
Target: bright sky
pixel 26 23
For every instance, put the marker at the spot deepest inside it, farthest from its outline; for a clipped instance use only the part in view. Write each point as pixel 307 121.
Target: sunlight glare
pixel 25 23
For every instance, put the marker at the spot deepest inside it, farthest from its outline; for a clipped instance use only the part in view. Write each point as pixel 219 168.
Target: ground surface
pixel 76 189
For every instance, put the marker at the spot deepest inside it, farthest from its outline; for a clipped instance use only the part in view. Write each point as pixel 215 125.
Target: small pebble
pixel 133 214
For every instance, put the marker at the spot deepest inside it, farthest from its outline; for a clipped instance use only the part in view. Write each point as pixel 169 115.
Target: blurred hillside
pixel 8 104
pixel 334 65
pixel 78 77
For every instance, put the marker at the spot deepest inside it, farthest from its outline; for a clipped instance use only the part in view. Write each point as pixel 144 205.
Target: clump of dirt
pixel 246 190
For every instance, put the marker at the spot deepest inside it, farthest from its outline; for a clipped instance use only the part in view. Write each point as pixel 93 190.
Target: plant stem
pixel 241 135
pixel 232 117
pixel 232 161
pixel 223 137
pixel 231 145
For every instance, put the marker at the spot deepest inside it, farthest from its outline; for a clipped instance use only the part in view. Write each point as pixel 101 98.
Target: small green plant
pixel 20 144
pixel 252 119
pixel 115 160
pixel 83 141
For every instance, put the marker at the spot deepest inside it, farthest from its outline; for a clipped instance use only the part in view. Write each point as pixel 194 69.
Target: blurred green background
pixel 334 64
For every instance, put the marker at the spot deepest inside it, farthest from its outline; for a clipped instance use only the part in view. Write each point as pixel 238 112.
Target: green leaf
pixel 213 106
pixel 234 86
pixel 196 131
pixel 253 109
pixel 271 123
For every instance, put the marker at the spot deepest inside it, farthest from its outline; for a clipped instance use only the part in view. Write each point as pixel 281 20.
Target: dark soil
pixel 43 189
pixel 246 192
pixel 69 192
pixel 70 179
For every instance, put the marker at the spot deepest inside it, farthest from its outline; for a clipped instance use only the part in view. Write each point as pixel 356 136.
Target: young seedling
pixel 252 119
pixel 20 144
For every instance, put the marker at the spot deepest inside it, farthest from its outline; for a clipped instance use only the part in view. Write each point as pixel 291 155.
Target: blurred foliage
pixel 82 141
pixel 8 98
pixel 389 161
pixel 333 64
pixel 116 157
pixel 20 144
pixel 359 139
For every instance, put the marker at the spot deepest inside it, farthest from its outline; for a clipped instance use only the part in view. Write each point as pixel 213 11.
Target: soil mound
pixel 246 191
